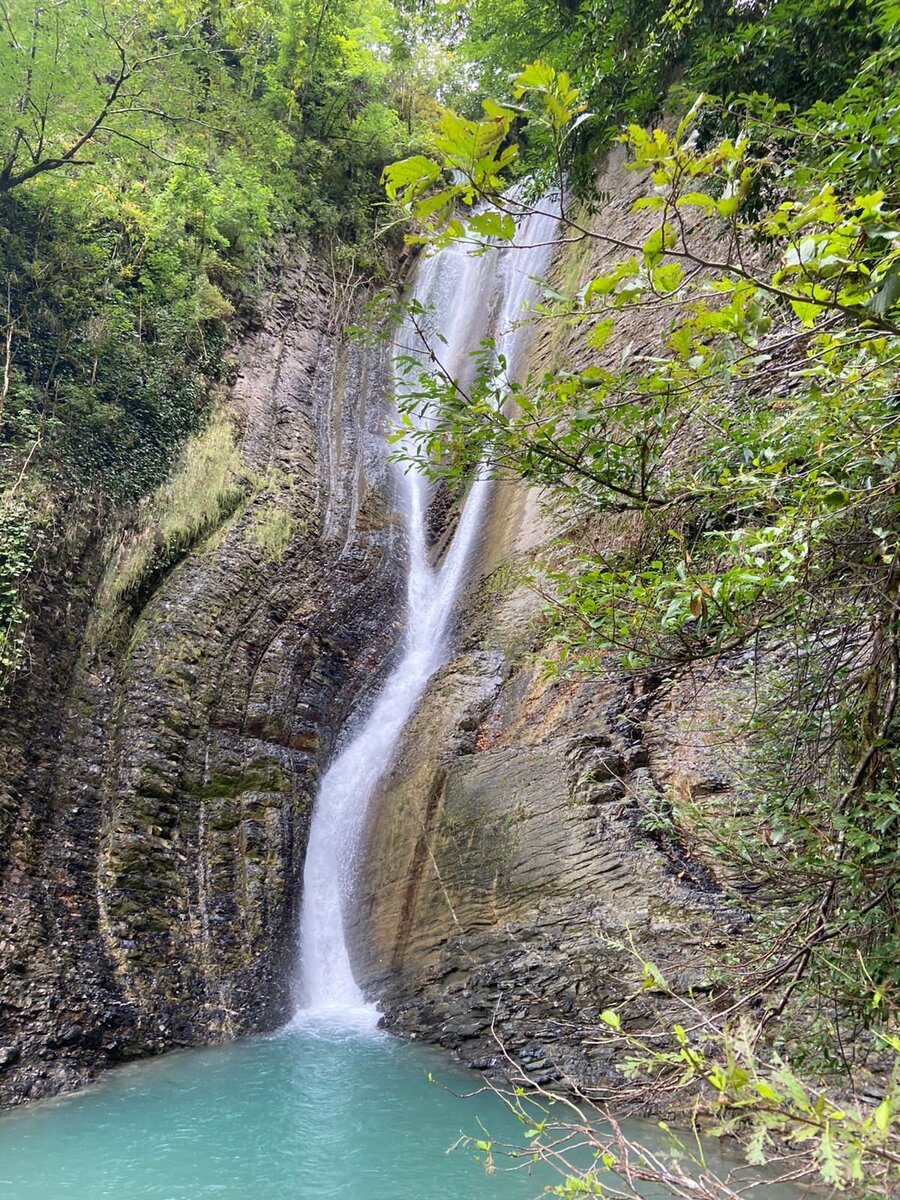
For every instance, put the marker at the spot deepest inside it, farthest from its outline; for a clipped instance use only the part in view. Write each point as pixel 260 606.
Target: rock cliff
pixel 512 887
pixel 516 880
pixel 162 751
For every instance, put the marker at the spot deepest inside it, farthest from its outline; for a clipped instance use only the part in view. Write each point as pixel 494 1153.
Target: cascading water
pixel 470 297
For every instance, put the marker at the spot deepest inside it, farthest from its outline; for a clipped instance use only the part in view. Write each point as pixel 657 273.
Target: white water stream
pixel 470 298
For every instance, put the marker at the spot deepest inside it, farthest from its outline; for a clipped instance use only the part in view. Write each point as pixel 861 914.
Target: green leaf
pixel 599 335
pixel 882 1115
pixel 429 205
pixel 494 110
pixel 653 977
pixel 667 277
pixel 807 312
pixel 661 239
pixel 493 225
pixel 889 292
pixel 697 200
pixel 410 175
pixel 536 75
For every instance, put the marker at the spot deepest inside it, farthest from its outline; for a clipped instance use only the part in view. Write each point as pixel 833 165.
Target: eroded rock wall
pixel 510 891
pixel 157 782
pixel 514 885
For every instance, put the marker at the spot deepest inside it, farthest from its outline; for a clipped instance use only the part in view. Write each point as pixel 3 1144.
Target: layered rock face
pixel 157 783
pixel 516 881
pixel 510 891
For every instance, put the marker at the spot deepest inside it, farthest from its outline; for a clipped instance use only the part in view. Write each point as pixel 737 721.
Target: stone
pixel 158 777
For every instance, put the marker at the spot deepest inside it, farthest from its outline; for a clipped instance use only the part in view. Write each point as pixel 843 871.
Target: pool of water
pixel 314 1112
pixel 311 1112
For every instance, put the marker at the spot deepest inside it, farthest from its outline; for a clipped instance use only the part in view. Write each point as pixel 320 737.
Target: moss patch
pixel 209 483
pixel 271 529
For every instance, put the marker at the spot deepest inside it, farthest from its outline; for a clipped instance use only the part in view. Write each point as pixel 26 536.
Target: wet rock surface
pixel 520 870
pixel 511 893
pixel 156 790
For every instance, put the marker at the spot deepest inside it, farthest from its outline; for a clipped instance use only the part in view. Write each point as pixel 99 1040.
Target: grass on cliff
pixel 208 484
pixel 271 530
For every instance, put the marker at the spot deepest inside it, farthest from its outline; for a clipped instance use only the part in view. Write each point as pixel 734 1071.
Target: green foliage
pixel 764 1100
pixel 756 438
pixel 208 483
pixel 494 38
pixel 112 338
pixel 797 51
pixel 17 551
pixel 625 55
pixel 472 158
pixel 797 1131
pixel 149 152
pixel 800 1130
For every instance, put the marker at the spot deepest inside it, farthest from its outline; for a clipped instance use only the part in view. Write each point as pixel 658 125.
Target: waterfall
pixel 471 297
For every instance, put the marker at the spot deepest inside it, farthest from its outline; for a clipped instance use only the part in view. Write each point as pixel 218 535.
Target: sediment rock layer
pixel 516 881
pixel 157 783
pixel 511 890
